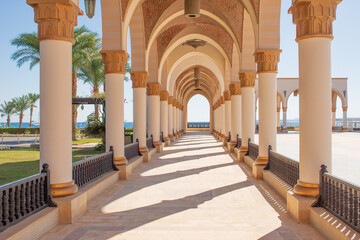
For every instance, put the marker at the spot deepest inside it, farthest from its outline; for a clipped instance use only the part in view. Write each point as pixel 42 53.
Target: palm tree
pixel 33 97
pixel 21 104
pixel 7 109
pixel 86 43
pixel 29 49
pixel 92 72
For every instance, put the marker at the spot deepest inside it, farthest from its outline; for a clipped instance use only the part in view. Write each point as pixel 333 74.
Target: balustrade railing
pixel 229 137
pixel 90 169
pixel 198 125
pixel 339 197
pixel 149 142
pixel 253 150
pixel 162 137
pixel 285 168
pixel 25 197
pixel 238 143
pixel 132 150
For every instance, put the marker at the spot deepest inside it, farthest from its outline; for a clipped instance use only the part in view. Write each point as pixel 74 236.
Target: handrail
pixel 132 150
pixel 149 142
pixel 253 150
pixel 238 142
pixel 339 197
pixel 198 124
pixel 90 169
pixel 284 167
pixel 25 197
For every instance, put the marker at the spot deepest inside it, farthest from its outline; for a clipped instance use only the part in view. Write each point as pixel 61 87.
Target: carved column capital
pixel 284 109
pixel 344 109
pixel 278 109
pixel 334 109
pixel 222 100
pixel 170 100
pixel 56 19
pixel 235 88
pixel 267 60
pixel 139 79
pixel 313 18
pixel 153 89
pixel 174 102
pixel 227 96
pixel 114 61
pixel 247 78
pixel 164 95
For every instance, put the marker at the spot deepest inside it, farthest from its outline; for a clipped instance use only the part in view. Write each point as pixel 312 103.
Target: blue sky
pixel 17 17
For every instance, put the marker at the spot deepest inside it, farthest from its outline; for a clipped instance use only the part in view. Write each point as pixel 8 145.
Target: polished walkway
pixel 193 190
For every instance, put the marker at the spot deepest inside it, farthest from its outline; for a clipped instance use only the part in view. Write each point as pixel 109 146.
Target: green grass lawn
pixel 20 163
pixel 87 140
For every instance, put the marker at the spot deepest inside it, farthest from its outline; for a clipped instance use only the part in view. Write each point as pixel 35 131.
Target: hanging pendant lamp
pixel 90 8
pixel 192 8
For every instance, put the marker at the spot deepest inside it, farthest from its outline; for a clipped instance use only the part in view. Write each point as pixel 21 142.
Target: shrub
pixel 15 130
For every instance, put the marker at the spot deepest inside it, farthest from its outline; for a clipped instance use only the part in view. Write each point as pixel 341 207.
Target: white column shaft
pixel 284 119
pixel 248 115
pixel 174 119
pixel 278 119
pixel 227 117
pixel 115 113
pixel 140 116
pixel 223 119
pixel 154 117
pixel 333 119
pixel 235 117
pixel 267 112
pixel 315 80
pixel 164 117
pixel 56 109
pixel 170 119
pixel 344 119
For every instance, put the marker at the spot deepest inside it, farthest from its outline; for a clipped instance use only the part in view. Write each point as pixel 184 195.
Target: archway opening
pixel 198 114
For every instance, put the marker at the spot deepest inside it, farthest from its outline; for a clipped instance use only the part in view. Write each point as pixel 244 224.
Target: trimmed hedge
pixel 15 130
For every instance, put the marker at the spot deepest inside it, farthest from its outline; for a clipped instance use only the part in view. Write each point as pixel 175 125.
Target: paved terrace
pixel 192 190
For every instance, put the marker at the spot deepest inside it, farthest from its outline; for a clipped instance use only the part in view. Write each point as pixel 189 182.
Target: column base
pixel 231 146
pixel 121 161
pixel 299 206
pixel 167 142
pixel 144 151
pixel 171 137
pixel 306 189
pixel 262 161
pixel 225 140
pixel 241 154
pixel 257 170
pixel 63 189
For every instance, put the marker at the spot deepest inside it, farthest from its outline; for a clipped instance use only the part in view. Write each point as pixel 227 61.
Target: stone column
pixel 170 118
pixel 278 117
pixel 267 60
pixel 247 79
pixel 235 89
pixel 178 118
pixel 227 107
pixel 164 95
pixel 139 80
pixel 153 92
pixel 114 62
pixel 284 118
pixel 175 118
pixel 223 123
pixel 56 22
pixel 333 117
pixel 345 118
pixel 313 21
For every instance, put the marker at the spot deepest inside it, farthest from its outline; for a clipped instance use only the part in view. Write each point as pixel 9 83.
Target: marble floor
pixel 192 190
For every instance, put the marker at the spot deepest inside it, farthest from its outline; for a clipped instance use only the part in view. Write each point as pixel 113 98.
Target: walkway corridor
pixel 192 190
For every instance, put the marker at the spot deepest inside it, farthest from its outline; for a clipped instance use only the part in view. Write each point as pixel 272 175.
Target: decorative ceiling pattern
pixel 124 4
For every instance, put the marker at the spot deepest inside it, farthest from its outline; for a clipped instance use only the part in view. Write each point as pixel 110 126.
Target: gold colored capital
pixel 313 18
pixel 170 100
pixel 267 60
pixel 56 19
pixel 284 109
pixel 114 61
pixel 222 100
pixel 164 95
pixel 139 79
pixel 345 109
pixel 174 102
pixel 247 78
pixel 334 109
pixel 227 95
pixel 235 88
pixel 278 109
pixel 153 89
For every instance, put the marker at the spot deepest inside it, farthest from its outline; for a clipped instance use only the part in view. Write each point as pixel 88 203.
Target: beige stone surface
pixel 192 190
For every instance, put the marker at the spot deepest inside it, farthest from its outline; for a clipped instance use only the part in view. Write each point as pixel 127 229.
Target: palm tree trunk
pixel 74 110
pixel 31 113
pixel 96 91
pixel 21 118
pixel 8 121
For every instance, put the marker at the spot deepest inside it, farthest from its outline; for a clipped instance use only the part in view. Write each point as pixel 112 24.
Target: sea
pixel 79 125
